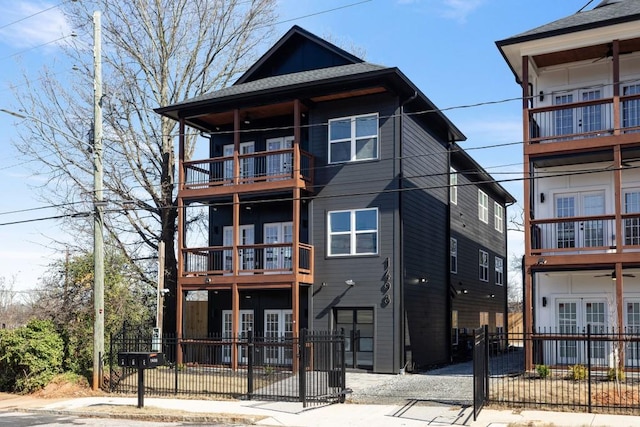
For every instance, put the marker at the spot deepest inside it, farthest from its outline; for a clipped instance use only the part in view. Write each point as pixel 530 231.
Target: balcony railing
pixel 582 120
pixel 253 168
pixel 589 234
pixel 252 259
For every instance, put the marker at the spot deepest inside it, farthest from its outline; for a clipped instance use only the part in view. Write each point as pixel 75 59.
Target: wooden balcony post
pixel 617 191
pixel 297 173
pixel 617 123
pixel 528 329
pixel 236 146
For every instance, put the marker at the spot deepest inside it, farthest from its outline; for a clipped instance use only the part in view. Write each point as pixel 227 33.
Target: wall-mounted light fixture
pixel 247 119
pixel 323 284
pixel 491 296
pixel 541 261
pixel 541 95
pixel 544 301
pixel 423 280
pixel 350 282
pixel 207 280
pixel 541 197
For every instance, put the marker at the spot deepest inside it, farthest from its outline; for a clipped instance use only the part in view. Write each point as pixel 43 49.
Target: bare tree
pixel 155 53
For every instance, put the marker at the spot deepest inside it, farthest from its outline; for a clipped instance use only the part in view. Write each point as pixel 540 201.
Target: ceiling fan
pixel 612 275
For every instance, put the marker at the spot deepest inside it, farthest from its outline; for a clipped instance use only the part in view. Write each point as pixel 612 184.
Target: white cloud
pixel 39 23
pixel 459 9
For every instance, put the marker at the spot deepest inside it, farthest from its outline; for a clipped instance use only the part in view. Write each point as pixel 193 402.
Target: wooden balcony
pixel 583 125
pixel 584 235
pixel 256 172
pixel 258 263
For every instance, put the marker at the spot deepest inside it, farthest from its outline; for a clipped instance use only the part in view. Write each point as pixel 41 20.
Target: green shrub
pixel 543 371
pixel 577 372
pixel 30 357
pixel 614 374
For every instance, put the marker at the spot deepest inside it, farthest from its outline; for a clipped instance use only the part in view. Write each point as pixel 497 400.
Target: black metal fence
pixel 594 370
pixel 480 370
pixel 309 369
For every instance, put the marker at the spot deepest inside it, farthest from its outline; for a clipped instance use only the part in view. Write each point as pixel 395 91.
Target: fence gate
pixel 322 367
pixel 480 369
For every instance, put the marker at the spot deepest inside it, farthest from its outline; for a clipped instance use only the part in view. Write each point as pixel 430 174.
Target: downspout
pixel 400 176
pixel 448 263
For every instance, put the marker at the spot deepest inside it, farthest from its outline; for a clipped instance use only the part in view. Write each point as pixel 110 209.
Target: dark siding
pixel 425 221
pixel 473 235
pixel 355 186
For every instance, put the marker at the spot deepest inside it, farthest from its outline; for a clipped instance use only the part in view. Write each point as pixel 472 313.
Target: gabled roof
pixel 605 14
pixel 293 48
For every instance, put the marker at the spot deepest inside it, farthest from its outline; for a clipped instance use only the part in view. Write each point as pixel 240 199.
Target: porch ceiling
pixel 596 52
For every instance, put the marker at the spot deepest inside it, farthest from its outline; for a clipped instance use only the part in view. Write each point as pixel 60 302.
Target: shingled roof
pixel 604 14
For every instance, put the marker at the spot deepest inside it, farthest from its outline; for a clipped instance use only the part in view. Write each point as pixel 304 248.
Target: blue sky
pixel 446 47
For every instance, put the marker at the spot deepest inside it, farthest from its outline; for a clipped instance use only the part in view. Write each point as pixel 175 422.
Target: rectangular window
pixel 484 266
pixel 453 186
pixel 500 323
pixel 353 138
pixel 631 108
pixel 454 327
pixel 353 232
pixel 632 225
pixel 499 271
pixel 484 318
pixel 483 207
pixel 453 249
pixel 498 217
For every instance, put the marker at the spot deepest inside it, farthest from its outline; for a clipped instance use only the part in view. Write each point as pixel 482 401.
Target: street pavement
pixel 413 412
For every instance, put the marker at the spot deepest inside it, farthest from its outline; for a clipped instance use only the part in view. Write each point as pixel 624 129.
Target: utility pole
pixel 98 206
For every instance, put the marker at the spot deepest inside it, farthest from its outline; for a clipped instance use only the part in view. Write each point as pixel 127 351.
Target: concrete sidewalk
pixel 293 414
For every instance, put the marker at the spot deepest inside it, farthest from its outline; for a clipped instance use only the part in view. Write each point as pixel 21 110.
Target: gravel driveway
pixel 451 385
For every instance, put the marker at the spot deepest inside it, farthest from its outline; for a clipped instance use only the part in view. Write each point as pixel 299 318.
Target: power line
pixel 34 14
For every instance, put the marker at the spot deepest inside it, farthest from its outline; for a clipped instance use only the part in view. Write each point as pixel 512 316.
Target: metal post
pixel 250 347
pixel 140 387
pixel 588 365
pixel 302 385
pixel 98 243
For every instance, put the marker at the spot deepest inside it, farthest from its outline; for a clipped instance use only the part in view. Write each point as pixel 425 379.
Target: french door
pixel 247 164
pixel 573 317
pixel 246 325
pixel 358 327
pixel 277 259
pixel 278 329
pixel 572 121
pixel 279 164
pixel 632 316
pixel 246 260
pixel 580 234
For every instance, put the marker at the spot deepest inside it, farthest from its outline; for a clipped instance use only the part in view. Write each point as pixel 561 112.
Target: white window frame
pixel 352 232
pixel 483 264
pixel 353 138
pixel 483 207
pixel 499 269
pixel 453 186
pixel 453 255
pixel 498 217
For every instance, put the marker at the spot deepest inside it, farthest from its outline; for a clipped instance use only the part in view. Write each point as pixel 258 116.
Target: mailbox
pixel 140 359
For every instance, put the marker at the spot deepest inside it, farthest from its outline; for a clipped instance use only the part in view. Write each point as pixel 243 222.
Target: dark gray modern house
pixel 325 192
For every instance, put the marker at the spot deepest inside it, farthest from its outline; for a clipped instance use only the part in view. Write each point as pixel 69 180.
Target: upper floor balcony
pixel 259 263
pixel 253 172
pixel 585 235
pixel 575 125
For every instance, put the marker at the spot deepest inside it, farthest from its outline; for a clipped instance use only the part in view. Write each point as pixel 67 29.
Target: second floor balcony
pixel 260 171
pixel 270 261
pixel 582 235
pixel 592 117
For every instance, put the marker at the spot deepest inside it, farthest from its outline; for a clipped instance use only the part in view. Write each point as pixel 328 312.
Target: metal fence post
pixel 302 380
pixel 487 345
pixel 250 348
pixel 589 365
pixel 110 363
pixel 176 348
pixel 343 367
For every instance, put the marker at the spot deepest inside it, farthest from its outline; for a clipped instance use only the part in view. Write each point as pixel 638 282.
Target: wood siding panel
pixel 355 186
pixel 425 245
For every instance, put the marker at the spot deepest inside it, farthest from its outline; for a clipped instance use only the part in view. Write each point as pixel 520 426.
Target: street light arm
pixel 26 116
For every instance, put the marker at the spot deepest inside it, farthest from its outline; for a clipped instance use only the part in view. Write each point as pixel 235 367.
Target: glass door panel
pixel 358 328
pixel 279 164
pixel 593 232
pixel 595 316
pixel 591 119
pixel 568 324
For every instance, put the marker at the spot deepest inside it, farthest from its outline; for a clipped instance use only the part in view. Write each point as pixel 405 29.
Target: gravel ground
pixel 452 384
